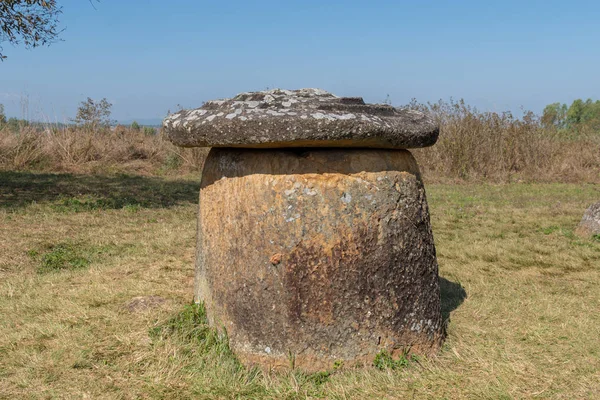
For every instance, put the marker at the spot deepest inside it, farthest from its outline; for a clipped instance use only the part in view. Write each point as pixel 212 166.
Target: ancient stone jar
pixel 314 242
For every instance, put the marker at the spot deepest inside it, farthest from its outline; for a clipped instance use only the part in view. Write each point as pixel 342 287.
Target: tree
pixel 555 114
pixel 32 22
pixel 591 114
pixel 135 126
pixel 575 112
pixel 584 114
pixel 93 114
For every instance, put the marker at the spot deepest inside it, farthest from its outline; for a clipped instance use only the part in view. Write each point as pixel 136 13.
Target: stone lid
pixel 299 118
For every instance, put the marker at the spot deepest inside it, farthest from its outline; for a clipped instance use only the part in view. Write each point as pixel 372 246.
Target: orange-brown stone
pixel 311 256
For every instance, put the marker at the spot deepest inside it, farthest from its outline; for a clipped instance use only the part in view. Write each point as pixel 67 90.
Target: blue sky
pixel 147 57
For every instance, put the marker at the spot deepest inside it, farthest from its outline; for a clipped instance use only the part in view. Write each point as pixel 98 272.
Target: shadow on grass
pixel 88 192
pixel 453 295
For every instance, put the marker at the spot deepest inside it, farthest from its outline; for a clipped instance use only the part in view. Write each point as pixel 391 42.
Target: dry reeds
pixel 76 149
pixel 498 147
pixel 473 145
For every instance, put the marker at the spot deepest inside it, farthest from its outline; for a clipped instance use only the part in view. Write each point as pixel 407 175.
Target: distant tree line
pixel 12 123
pixel 579 115
pixel 93 115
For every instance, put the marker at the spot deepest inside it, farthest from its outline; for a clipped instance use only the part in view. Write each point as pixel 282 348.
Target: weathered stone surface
pixel 299 118
pixel 317 255
pixel 590 223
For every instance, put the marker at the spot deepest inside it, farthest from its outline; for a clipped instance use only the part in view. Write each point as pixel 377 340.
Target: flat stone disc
pixel 299 118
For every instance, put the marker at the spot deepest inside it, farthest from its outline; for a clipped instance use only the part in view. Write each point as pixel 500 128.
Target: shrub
pixel 94 114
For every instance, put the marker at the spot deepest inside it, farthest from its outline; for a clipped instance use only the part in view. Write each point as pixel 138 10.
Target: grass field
pixel 76 252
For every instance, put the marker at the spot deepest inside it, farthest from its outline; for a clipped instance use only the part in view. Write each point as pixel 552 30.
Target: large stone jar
pixel 314 242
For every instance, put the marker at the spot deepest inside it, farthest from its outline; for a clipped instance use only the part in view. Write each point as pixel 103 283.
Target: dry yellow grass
pixel 501 148
pixel 76 149
pixel 527 328
pixel 473 146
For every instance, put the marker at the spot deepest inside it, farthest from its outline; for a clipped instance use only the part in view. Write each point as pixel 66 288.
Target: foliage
pixel 580 115
pixel 16 124
pixel 32 22
pixel 135 126
pixel 555 115
pixel 584 113
pixel 2 115
pixel 148 131
pixel 94 114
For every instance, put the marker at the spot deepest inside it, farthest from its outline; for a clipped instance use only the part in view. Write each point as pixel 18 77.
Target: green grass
pixel 63 256
pixel 384 360
pixel 190 325
pixel 68 256
pixel 519 292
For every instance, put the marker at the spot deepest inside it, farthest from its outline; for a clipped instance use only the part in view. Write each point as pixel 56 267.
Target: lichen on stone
pixel 299 118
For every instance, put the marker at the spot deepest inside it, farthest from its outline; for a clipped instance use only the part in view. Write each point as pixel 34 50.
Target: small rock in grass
pixel 143 303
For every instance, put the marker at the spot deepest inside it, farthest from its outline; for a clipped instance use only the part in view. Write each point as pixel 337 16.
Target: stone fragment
pixel 590 223
pixel 299 118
